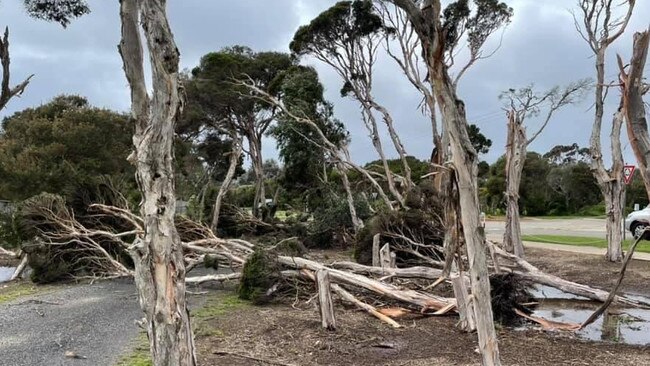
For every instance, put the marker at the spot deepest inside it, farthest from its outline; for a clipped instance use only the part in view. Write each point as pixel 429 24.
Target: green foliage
pixel 332 222
pixel 59 11
pixel 60 144
pixel 9 234
pixel 260 273
pixel 346 21
pixel 299 144
pixel 480 143
pixel 292 247
pixel 477 22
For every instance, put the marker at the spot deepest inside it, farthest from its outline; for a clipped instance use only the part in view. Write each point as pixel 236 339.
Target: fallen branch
pixel 592 318
pixel 21 267
pixel 533 274
pixel 422 300
pixel 213 278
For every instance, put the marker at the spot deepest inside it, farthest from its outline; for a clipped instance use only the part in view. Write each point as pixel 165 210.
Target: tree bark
pixel 157 254
pixel 515 158
pixel 7 92
pixel 634 107
pixel 328 321
pixel 357 223
pixel 427 24
pixel 225 185
pixel 255 149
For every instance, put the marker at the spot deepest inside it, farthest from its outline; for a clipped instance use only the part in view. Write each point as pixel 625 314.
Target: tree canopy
pixel 59 144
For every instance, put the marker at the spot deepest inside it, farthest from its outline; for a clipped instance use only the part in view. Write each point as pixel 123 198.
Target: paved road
pixel 574 227
pixel 95 321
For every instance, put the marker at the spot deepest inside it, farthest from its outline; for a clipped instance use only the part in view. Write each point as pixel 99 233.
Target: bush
pixel 260 273
pixel 332 223
pixel 9 235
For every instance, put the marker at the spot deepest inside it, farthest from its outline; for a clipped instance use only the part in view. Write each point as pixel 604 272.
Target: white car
pixel 637 221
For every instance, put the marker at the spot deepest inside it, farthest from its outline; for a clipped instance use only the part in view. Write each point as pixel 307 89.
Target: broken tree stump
pixel 464 303
pixel 375 250
pixel 325 299
pixel 385 257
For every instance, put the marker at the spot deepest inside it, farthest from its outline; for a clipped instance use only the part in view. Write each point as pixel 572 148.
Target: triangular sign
pixel 628 173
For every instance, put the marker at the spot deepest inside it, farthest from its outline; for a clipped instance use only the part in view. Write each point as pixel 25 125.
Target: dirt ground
pixel 284 335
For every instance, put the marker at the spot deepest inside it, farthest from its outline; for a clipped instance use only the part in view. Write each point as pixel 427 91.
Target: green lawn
pixel 643 246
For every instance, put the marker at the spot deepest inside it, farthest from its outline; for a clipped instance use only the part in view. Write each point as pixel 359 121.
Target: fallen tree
pixel 97 243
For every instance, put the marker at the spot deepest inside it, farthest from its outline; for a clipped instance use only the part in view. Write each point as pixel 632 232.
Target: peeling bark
pixel 157 254
pixel 600 29
pixel 427 24
pixel 515 159
pixel 634 88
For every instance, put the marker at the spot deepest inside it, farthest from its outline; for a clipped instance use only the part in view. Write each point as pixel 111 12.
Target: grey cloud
pixel 540 46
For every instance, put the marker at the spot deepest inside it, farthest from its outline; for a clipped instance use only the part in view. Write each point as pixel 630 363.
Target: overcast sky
pixel 541 46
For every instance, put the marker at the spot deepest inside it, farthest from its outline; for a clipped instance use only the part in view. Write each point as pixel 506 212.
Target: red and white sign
pixel 628 173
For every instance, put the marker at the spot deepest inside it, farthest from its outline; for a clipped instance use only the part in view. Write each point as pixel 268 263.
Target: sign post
pixel 628 174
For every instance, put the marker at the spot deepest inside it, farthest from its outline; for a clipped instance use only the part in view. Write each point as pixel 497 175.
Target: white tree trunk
pixel 634 106
pixel 225 185
pixel 255 149
pixel 158 255
pixel 515 158
pixel 357 223
pixel 465 161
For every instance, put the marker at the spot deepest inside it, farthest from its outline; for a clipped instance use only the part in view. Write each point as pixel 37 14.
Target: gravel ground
pixel 94 321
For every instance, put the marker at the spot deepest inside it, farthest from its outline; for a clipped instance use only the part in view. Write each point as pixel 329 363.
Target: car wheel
pixel 638 229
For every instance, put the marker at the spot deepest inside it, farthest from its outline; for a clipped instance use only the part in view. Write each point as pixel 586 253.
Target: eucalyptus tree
pixel 306 165
pixel 600 23
pixel 347 37
pixel 224 106
pixel 157 253
pixel 437 30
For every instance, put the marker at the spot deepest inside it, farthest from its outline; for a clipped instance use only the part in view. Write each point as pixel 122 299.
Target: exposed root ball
pixel 508 293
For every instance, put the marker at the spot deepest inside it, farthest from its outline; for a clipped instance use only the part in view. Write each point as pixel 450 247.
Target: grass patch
pixel 567 217
pixel 217 305
pixel 140 355
pixel 16 290
pixel 644 246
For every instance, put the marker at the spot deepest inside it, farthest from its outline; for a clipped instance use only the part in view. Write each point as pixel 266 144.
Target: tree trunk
pixel 614 234
pixel 328 321
pixel 634 107
pixel 357 223
pixel 225 185
pixel 427 24
pixel 255 147
pixel 515 158
pixel 376 142
pixel 6 92
pixel 158 255
pixel 465 162
pixel 399 147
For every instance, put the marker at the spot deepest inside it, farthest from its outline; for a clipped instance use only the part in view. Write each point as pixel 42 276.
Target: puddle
pixel 5 273
pixel 620 325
